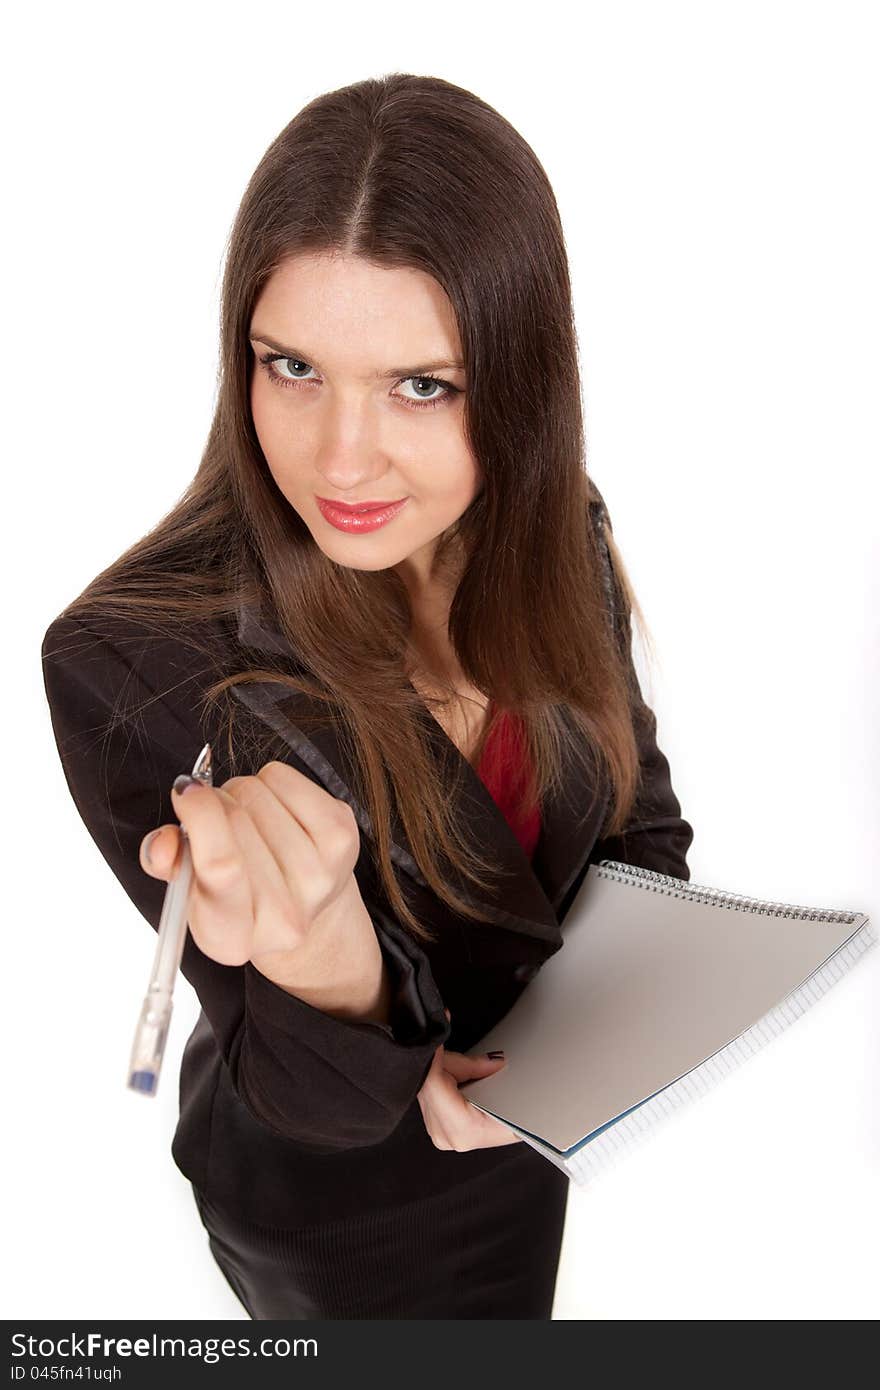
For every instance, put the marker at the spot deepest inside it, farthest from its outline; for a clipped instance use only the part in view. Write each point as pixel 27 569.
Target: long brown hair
pixel 412 171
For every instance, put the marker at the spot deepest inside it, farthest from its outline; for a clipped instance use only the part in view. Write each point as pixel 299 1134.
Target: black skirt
pixel 486 1248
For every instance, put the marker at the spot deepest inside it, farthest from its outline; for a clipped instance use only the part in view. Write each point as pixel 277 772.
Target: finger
pixel 463 1123
pixel 297 863
pixel 432 1101
pixel 450 1112
pixel 487 1132
pixel 220 907
pixel 453 1122
pixel 464 1068
pixel 468 1125
pixel 275 914
pixel 159 852
pixel 328 821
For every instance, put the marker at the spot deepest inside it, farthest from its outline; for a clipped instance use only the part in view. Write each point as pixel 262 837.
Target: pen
pixel 152 1028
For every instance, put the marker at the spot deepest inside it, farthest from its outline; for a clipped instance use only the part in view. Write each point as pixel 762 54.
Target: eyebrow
pixel 444 364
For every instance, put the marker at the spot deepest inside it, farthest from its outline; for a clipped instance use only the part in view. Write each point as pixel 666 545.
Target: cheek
pixel 441 469
pixel 457 487
pixel 261 416
pixel 272 428
pixel 442 502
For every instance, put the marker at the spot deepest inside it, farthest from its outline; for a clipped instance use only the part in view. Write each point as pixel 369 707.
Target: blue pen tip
pixel 144 1081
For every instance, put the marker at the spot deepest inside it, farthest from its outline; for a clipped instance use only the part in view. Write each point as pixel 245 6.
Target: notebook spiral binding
pixel 717 897
pixel 605 1147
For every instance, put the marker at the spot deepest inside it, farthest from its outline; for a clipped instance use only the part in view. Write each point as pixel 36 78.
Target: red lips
pixel 357 507
pixel 365 516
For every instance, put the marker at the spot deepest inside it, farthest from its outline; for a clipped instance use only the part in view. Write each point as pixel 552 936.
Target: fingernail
pixel 184 782
pixel 495 1054
pixel 147 843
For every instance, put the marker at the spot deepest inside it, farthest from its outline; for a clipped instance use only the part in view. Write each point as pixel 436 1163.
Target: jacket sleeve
pixel 656 835
pixel 322 1082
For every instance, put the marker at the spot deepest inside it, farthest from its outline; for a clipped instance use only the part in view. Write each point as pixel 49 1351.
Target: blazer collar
pixel 528 896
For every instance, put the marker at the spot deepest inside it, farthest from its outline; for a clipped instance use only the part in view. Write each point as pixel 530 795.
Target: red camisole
pixel 502 770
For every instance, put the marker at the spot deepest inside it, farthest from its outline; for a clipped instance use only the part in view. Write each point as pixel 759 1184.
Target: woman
pixel 425 722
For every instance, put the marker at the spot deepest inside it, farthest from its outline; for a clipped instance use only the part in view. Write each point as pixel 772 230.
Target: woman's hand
pixel 451 1121
pixel 273 865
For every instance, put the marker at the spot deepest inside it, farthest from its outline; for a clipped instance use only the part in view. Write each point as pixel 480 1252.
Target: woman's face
pixel 346 410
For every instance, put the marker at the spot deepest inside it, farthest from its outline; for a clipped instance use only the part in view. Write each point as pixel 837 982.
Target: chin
pixel 364 566
pixel 357 557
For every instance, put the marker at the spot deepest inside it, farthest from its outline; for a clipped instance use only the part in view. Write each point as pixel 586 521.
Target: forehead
pixel 355 313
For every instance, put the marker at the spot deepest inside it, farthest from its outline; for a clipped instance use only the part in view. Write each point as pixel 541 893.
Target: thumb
pixel 159 852
pixel 464 1068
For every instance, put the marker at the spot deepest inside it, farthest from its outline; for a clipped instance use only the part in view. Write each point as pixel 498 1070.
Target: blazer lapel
pixel 529 893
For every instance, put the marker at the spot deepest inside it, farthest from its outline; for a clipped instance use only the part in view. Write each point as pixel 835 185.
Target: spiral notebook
pixel 661 987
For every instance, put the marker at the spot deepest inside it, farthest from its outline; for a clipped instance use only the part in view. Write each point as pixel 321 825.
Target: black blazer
pixel 289 1115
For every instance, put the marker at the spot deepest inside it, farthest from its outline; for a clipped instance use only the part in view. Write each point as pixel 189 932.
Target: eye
pixel 272 362
pixel 429 382
pixel 269 360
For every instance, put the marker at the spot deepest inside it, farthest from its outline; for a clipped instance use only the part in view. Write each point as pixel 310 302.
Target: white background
pixel 715 167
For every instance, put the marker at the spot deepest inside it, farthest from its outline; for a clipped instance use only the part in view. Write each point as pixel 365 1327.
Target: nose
pixel 350 452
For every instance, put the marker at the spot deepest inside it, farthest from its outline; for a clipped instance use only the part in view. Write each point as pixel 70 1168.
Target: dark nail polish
pixel 183 782
pixel 493 1055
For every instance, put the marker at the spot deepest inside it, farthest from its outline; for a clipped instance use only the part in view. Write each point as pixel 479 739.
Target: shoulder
pixel 598 511
pixel 151 650
pixel 120 672
pixel 602 530
pixel 141 684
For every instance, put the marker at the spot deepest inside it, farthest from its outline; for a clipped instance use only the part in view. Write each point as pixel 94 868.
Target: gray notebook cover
pixel 656 976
